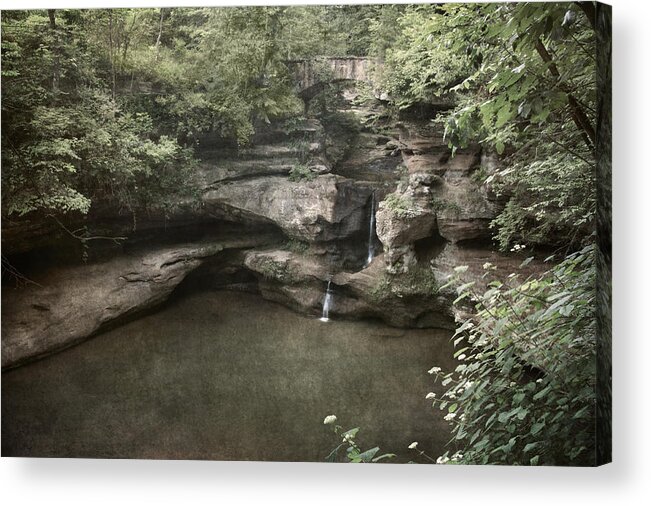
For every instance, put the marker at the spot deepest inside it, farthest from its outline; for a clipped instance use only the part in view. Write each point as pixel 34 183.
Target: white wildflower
pixel 442 460
pixel 461 357
pixel 539 380
pixel 329 419
pixel 430 395
pixel 449 417
pixel 434 370
pixel 413 445
pixel 487 265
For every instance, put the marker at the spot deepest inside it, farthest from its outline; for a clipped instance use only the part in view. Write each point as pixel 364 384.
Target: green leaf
pixel 530 446
pixel 368 454
pixel 536 428
pixel 384 456
pixel 352 432
pixel 332 456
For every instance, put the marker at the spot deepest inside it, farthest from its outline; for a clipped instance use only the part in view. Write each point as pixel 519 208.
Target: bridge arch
pixel 312 76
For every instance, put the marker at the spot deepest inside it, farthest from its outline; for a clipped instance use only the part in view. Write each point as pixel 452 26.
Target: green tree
pixel 66 141
pixel 523 77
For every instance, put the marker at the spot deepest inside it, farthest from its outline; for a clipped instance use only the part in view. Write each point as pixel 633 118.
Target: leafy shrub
pixel 301 172
pixel 398 205
pixel 439 204
pixel 524 389
pixel 553 200
pixel 297 246
pixel 90 152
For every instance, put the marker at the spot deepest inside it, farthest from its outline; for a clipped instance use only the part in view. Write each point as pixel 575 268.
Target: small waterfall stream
pixel 327 302
pixel 371 232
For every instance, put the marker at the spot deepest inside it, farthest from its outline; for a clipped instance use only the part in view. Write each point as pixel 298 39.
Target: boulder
pixel 403 218
pixel 325 208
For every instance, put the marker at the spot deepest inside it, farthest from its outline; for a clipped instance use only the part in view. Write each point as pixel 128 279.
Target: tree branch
pixel 578 114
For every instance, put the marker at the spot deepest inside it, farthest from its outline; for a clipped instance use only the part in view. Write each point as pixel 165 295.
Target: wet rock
pixel 299 282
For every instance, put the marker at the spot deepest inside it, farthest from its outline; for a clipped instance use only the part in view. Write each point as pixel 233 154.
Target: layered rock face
pixel 72 303
pixel 441 195
pixel 287 184
pixel 323 209
pixel 309 199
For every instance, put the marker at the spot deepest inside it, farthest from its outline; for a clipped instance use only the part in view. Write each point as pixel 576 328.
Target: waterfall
pixel 327 302
pixel 371 233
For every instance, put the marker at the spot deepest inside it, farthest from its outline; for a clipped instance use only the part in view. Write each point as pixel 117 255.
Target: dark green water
pixel 227 376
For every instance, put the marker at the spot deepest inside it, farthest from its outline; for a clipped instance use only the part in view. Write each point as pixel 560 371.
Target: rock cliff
pixel 280 218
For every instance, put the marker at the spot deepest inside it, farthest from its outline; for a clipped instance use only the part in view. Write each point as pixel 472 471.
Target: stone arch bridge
pixel 312 76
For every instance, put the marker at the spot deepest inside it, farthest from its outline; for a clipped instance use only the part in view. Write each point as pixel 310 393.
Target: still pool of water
pixel 228 376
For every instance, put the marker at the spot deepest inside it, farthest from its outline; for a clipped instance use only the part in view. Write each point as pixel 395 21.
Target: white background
pixel 626 482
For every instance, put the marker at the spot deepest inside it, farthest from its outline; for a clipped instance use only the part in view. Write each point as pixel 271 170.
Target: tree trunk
pixel 111 56
pixel 56 68
pixel 160 32
pixel 590 12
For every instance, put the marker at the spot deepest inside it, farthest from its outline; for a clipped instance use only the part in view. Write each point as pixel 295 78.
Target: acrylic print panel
pixel 383 242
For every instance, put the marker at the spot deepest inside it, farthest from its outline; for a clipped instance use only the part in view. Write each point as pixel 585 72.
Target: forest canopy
pixel 107 106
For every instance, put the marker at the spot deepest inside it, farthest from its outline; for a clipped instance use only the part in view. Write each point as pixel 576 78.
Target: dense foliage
pixel 67 139
pixel 523 78
pixel 103 107
pixel 524 389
